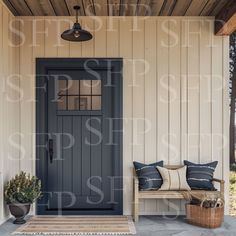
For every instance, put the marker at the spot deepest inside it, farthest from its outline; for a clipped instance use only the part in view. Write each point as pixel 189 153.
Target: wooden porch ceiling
pixel 116 7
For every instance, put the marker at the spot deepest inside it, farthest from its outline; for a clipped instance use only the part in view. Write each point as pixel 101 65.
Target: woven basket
pixel 204 217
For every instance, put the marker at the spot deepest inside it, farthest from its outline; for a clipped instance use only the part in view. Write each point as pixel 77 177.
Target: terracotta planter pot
pixel 19 211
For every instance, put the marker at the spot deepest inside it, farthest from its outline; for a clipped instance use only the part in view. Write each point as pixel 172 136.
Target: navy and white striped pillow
pixel 199 176
pixel 148 175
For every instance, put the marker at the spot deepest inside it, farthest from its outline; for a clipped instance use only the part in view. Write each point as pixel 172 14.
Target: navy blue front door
pixel 81 168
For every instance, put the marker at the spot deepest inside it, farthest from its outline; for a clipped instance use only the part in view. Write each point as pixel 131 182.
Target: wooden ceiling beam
pixel 11 7
pixel 211 4
pixel 60 7
pixel 196 7
pixel 128 7
pixel 70 5
pixel 181 7
pixel 41 7
pixel 156 6
pixel 168 7
pixel 89 9
pixel 101 7
pixel 218 7
pixel 119 7
pixel 225 22
pixel 143 8
pixel 20 7
pixel 113 7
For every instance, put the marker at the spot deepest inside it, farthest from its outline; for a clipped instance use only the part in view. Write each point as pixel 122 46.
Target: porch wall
pixel 9 105
pixel 187 66
pixel 183 92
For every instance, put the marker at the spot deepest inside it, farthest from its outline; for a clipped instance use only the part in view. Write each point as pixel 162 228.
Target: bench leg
pixel 135 216
pixel 136 200
pixel 136 211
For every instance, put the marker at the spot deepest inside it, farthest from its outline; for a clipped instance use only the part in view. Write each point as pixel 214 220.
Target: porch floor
pixel 159 226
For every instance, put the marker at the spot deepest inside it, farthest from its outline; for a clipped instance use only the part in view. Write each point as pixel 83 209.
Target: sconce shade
pixel 76 34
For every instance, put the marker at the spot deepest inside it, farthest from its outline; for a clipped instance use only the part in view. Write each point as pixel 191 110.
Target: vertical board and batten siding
pixel 126 50
pixel 178 109
pixel 162 99
pixel 193 97
pixel 138 107
pixel 9 104
pixel 150 88
pixel 225 121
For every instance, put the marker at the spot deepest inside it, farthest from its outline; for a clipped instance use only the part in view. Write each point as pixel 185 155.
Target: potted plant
pixel 20 192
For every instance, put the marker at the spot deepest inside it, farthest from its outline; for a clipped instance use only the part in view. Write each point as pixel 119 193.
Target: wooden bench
pixel 163 194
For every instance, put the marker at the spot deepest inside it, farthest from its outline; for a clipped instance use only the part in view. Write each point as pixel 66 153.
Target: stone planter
pixel 19 211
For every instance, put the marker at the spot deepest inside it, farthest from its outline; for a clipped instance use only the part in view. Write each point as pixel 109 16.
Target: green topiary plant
pixel 22 189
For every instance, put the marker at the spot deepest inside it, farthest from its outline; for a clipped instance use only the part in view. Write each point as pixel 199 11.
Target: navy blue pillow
pixel 199 176
pixel 148 175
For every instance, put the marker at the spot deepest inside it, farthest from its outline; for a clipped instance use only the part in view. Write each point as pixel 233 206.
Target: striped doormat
pixel 82 225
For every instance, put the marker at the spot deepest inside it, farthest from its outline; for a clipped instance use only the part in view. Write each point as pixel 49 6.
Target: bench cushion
pixel 148 175
pixel 200 176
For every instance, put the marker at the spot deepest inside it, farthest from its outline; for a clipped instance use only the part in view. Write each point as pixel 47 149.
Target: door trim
pixel 42 67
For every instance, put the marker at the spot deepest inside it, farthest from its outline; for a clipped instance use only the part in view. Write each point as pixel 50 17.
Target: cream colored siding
pixel 225 120
pixel 172 112
pixel 178 109
pixel 9 104
pixel 125 49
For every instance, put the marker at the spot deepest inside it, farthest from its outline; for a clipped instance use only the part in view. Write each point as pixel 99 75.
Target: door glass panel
pixel 85 87
pixel 79 95
pixel 85 103
pixel 62 87
pixel 96 103
pixel 73 102
pixel 73 87
pixel 61 102
pixel 96 87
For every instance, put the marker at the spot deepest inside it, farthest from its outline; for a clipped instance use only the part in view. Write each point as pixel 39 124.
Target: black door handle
pixel 50 149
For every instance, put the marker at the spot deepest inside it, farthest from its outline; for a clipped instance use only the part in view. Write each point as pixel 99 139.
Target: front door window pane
pixel 85 87
pixel 62 87
pixel 96 87
pixel 96 103
pixel 73 87
pixel 61 103
pixel 79 95
pixel 85 103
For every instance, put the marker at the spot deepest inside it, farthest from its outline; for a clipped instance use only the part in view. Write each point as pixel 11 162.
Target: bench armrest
pixel 222 185
pixel 218 180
